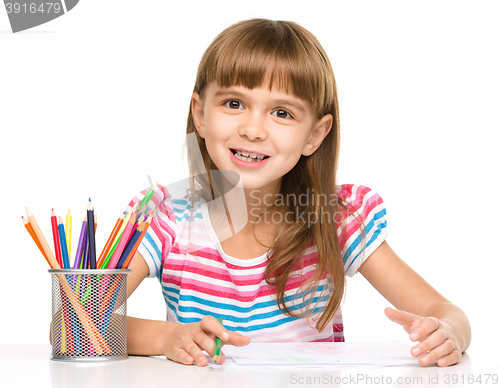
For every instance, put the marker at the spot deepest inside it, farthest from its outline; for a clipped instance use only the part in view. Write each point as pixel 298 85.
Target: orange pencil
pixel 111 238
pixel 29 228
pixel 52 259
pixel 144 227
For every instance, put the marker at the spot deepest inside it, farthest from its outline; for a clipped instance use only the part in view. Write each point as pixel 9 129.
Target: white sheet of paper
pixel 322 354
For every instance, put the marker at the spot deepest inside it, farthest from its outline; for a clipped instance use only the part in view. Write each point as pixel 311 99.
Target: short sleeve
pixel 160 235
pixel 363 227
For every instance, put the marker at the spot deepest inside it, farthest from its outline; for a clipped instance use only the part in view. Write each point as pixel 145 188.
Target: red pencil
pixel 55 233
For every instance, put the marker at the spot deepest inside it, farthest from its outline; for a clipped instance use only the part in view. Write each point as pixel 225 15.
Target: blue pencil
pixel 62 240
pixel 128 248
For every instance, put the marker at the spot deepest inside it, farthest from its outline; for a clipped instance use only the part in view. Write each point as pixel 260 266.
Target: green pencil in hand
pixel 218 343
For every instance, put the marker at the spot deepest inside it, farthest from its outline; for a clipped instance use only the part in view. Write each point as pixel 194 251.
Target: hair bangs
pixel 274 55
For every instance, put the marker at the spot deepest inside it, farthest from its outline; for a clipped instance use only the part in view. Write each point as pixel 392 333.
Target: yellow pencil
pixel 64 348
pixel 69 222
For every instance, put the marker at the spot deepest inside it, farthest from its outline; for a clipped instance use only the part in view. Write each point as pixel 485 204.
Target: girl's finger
pixel 182 357
pixel 195 352
pixel 451 359
pixel 210 325
pixel 445 349
pixel 402 318
pixel 432 341
pixel 207 343
pixel 425 327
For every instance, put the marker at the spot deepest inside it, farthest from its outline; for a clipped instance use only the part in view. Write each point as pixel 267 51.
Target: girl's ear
pixel 198 114
pixel 318 134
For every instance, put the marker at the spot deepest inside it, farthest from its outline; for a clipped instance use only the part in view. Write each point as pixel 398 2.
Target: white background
pixel 92 102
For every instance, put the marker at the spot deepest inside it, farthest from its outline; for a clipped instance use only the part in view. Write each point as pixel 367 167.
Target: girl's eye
pixel 281 113
pixel 233 104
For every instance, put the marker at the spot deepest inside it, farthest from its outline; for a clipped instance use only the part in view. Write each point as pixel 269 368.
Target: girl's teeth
pixel 248 157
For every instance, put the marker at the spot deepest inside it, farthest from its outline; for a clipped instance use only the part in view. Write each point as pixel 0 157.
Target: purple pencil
pixel 81 242
pixel 85 264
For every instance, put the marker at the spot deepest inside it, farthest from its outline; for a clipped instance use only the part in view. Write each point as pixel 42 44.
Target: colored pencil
pixel 136 233
pixel 111 238
pixel 123 241
pixel 91 233
pixel 95 337
pixel 144 202
pixel 109 294
pixel 43 242
pixel 217 345
pixel 62 240
pixel 109 310
pixel 69 226
pixel 69 322
pixel 132 253
pixel 81 243
pixel 63 336
pixel 55 234
pixel 29 228
pixel 85 257
pixel 105 264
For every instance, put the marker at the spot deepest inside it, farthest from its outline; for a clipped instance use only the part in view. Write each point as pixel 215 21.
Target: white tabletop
pixel 28 365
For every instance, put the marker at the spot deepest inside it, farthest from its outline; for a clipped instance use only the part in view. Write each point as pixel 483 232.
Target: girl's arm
pixel 442 327
pixel 179 342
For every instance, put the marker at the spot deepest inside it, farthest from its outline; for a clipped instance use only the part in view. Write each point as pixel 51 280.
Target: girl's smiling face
pixel 258 133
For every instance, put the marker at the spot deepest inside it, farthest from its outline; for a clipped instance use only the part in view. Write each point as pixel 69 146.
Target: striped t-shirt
pixel 198 278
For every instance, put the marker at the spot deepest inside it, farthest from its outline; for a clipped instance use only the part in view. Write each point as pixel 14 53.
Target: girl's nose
pixel 253 128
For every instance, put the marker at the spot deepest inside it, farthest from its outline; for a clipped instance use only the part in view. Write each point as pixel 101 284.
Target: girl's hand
pixel 185 342
pixel 438 341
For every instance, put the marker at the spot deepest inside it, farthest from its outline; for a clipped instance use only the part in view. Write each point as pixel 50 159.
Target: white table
pixel 30 366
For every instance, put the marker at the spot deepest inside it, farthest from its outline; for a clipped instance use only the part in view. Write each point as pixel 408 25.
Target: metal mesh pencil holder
pixel 89 314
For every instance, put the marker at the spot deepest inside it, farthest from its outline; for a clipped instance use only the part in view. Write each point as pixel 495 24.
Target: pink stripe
pixel 211 272
pixel 172 265
pixel 299 336
pixel 210 289
pixel 214 255
pixel 267 334
pixel 165 228
pixel 353 226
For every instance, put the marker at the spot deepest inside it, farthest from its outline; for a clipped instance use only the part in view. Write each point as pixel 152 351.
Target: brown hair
pixel 287 55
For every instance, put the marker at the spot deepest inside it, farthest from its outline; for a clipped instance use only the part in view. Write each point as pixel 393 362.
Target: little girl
pixel 265 236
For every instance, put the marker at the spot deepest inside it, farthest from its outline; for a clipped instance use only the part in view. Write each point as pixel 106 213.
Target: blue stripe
pixel 368 228
pixel 186 217
pixel 173 303
pixel 157 251
pixel 239 309
pixel 229 318
pixel 380 227
pixel 184 209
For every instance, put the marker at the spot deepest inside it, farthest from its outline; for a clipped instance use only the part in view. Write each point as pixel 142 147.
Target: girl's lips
pixel 242 163
pixel 247 151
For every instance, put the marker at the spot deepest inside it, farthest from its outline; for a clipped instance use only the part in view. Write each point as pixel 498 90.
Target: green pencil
pixel 218 344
